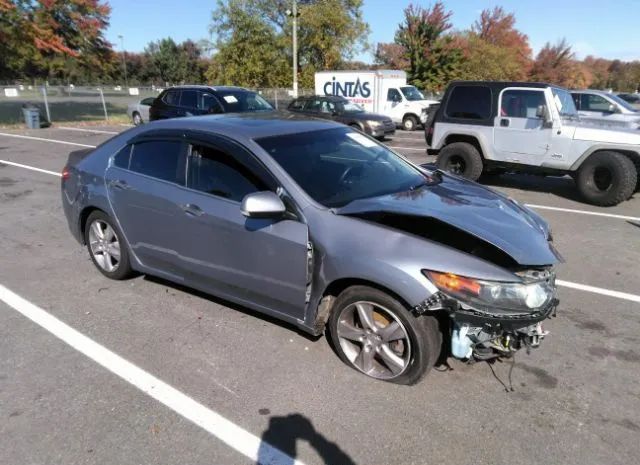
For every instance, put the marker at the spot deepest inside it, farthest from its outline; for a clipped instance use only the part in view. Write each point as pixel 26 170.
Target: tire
pixel 607 178
pixel 404 358
pixel 136 118
pixel 409 123
pixel 101 237
pixel 636 161
pixel 461 158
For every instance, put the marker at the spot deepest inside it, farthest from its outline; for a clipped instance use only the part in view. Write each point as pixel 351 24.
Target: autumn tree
pixel 431 52
pixel 556 64
pixel 391 56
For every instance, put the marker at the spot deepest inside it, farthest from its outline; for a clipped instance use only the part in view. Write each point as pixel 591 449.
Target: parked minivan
pixel 180 101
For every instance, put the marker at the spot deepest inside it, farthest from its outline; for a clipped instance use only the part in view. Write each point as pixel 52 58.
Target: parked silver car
pixel 139 111
pixel 321 226
pixel 605 108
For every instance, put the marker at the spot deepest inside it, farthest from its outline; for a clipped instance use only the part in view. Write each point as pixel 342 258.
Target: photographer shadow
pixel 284 432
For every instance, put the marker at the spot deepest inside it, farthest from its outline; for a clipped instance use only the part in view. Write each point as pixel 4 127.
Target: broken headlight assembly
pixel 534 293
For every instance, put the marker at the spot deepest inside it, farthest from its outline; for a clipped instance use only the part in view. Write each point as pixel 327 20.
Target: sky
pixel 591 28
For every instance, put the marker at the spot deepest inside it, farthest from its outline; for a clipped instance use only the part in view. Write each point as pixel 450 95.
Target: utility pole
pixel 295 48
pixel 124 61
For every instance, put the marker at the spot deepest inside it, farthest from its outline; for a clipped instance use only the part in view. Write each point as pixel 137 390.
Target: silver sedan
pixel 139 111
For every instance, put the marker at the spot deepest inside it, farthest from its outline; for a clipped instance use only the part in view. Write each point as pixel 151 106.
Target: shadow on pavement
pixel 284 433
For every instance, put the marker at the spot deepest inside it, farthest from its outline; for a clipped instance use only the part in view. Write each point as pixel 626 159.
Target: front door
pixel 519 135
pixel 142 182
pixel 258 261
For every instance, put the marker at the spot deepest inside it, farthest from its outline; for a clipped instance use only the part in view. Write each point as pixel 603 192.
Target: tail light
pixel 66 174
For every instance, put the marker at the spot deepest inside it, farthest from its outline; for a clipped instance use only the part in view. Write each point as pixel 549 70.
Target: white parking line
pixel 42 139
pixel 423 149
pixel 584 212
pixel 27 167
pixel 226 431
pixel 98 131
pixel 599 290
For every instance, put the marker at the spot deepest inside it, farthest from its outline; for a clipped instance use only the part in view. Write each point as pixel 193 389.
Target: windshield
pixel 235 101
pixel 564 103
pixel 624 104
pixel 338 166
pixel 349 107
pixel 411 93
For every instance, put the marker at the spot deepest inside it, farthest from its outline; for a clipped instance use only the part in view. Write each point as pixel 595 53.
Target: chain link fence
pixel 94 103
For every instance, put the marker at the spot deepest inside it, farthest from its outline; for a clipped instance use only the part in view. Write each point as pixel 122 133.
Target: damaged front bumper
pixel 482 335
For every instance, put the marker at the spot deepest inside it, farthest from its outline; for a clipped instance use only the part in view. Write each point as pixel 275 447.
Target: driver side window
pixel 209 103
pixel 521 103
pixel 393 95
pixel 591 102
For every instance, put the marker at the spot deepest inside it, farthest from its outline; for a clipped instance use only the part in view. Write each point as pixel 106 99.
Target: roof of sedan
pixel 246 125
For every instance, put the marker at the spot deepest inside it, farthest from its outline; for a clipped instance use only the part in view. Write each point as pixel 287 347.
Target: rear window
pixel 469 102
pixel 158 159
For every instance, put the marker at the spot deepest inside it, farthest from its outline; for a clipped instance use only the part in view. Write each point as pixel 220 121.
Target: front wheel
pixel 607 178
pixel 409 123
pixel 376 335
pixel 137 119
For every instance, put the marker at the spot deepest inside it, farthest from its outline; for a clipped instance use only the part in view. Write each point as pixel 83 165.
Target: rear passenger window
pixel 469 102
pixel 171 97
pixel 158 159
pixel 220 174
pixel 189 99
pixel 121 159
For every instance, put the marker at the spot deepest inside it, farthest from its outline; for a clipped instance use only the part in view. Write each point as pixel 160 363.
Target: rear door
pixel 143 182
pixel 259 261
pixel 519 135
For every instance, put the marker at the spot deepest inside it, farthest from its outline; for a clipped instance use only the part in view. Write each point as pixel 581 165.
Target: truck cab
pixel 484 127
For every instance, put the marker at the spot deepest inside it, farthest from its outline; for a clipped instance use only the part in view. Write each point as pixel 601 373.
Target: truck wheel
pixel 462 159
pixel 409 123
pixel 375 334
pixel 607 178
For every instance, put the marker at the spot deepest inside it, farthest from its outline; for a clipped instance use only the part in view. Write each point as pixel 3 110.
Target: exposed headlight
pixel 488 295
pixel 375 124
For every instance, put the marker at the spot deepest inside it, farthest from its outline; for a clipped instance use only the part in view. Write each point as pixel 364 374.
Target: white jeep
pixel 496 127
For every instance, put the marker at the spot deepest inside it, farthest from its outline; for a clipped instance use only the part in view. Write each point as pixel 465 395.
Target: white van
pixel 380 91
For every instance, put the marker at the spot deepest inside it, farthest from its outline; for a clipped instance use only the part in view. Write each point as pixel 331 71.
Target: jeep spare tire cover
pixel 461 158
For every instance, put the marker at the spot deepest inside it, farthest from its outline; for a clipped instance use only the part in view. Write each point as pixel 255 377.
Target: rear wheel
pixel 462 159
pixel 376 335
pixel 409 123
pixel 107 250
pixel 607 178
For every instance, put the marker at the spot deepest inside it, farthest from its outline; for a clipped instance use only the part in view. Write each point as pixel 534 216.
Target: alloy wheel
pixel 105 245
pixel 374 340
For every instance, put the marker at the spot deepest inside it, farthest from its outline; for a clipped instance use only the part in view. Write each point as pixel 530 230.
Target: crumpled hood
pixel 597 133
pixel 475 209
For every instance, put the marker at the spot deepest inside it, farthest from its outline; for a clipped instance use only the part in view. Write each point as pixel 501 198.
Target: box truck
pixel 380 91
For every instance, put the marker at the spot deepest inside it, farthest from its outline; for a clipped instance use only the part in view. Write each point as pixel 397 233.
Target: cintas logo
pixel 347 88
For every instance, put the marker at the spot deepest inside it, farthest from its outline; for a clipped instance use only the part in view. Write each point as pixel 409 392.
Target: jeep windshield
pixel 412 94
pixel 564 103
pixel 338 166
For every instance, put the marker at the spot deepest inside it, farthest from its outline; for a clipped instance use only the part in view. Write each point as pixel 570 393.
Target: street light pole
pixel 124 61
pixel 295 48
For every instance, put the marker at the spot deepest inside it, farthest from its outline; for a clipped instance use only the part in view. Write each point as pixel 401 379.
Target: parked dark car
pixel 343 111
pixel 202 100
pixel 317 224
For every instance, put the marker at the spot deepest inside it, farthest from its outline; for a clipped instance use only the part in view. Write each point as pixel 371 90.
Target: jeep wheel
pixel 462 159
pixel 607 178
pixel 409 123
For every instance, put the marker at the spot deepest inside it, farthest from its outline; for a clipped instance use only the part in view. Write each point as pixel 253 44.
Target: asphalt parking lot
pixel 576 400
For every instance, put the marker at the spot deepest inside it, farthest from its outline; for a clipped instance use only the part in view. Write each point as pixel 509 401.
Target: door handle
pixel 504 123
pixel 119 184
pixel 191 209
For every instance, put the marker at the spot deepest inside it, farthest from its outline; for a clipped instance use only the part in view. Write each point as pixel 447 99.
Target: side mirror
pixel 613 108
pixel 541 112
pixel 265 204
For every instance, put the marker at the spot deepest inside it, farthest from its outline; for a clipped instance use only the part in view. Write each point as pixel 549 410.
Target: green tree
pixel 175 63
pixel 486 61
pixel 434 58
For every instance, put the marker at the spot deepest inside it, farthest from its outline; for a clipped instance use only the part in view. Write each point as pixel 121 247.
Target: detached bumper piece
pixel 480 335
